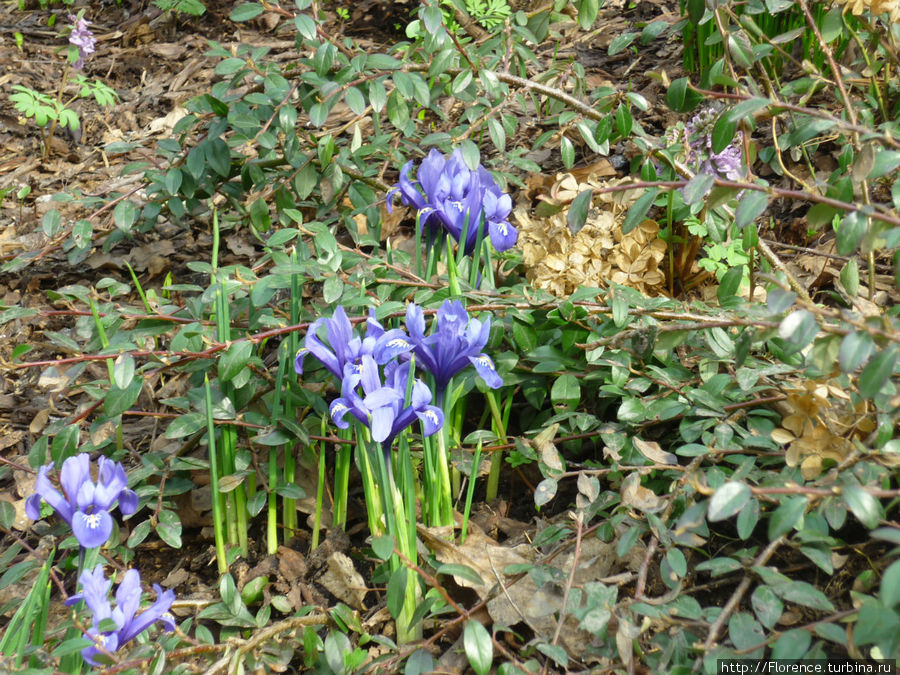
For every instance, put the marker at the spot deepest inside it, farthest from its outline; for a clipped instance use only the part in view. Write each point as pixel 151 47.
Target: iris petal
pixel 92 529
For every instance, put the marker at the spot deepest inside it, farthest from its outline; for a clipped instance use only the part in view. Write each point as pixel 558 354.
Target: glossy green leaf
pixel 798 328
pixel 566 391
pixel 747 519
pixel 745 631
pixel 383 546
pixel 246 12
pixel 890 585
pixel 621 42
pixel 698 187
pixel 850 232
pixel 124 215
pixel 355 100
pixel 787 515
pixel 752 205
pixel 680 97
pixel 567 152
pixel 168 527
pixel 638 210
pixel 396 591
pixel 863 505
pixel 723 133
pixel 478 646
pixel 587 14
pixel 878 371
pixel 123 370
pixel 767 606
pixel 545 491
pixel 118 400
pixel 856 347
pixel 459 570
pixel 234 359
pixel 578 210
pixel 728 500
pixel 850 277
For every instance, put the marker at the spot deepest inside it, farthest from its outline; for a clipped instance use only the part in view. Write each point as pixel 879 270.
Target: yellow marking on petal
pixel 301 351
pixel 485 362
pixel 432 416
pixel 398 342
pixel 339 407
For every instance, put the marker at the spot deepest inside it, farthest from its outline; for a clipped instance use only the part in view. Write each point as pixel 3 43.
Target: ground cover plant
pixel 455 337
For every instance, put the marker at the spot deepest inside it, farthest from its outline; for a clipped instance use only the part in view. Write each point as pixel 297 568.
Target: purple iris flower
pixel 418 193
pixel 497 206
pixel 82 37
pixel 456 342
pixel 129 624
pixel 84 504
pixel 347 347
pixel 381 406
pixel 446 192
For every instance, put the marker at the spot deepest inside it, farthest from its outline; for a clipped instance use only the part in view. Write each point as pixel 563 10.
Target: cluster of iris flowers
pixel 450 197
pixel 85 505
pixel 380 392
pixel 456 342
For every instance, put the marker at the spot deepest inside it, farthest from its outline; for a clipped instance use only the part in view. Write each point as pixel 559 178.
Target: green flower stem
pixel 476 257
pixel 218 499
pixel 290 464
pixel 499 423
pixel 342 480
pixel 320 491
pixel 272 512
pixel 364 462
pixel 470 491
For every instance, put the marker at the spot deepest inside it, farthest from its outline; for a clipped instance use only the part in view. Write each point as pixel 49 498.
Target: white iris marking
pixel 432 416
pixel 398 342
pixel 485 362
pixel 92 520
pixel 504 230
pixel 339 408
pixel 458 206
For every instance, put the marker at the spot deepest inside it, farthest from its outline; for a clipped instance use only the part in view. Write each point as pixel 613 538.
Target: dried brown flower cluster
pixel 877 7
pixel 819 424
pixel 599 254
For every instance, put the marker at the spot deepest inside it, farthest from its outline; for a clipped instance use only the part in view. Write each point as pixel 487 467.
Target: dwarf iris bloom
pixel 84 504
pixel 347 347
pixel 456 342
pixel 381 406
pixel 129 624
pixel 447 193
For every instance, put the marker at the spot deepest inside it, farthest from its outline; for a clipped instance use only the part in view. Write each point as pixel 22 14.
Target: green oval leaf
pixel 246 12
pixel 856 347
pixel 728 500
pixel 234 359
pixel 787 515
pixel 878 370
pixel 680 97
pixel 864 506
pixel 751 207
pixel 479 648
pixel 545 491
